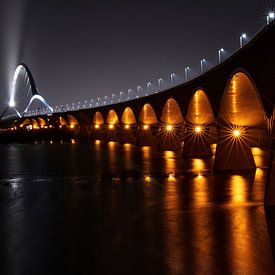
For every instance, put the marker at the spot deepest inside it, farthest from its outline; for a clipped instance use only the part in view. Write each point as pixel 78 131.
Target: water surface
pixel 94 208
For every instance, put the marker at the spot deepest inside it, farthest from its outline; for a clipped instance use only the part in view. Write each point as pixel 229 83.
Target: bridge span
pixel 222 113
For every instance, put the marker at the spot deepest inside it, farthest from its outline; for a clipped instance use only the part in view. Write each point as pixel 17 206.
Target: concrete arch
pixel 34 123
pixel 199 109
pixel 112 118
pixel 241 104
pixel 242 124
pixel 26 122
pixel 72 121
pixel 62 121
pixel 171 113
pixel 148 115
pixel 98 119
pixel 128 116
pixel 42 122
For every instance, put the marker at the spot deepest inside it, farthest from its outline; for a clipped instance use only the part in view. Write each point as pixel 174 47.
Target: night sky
pixel 81 49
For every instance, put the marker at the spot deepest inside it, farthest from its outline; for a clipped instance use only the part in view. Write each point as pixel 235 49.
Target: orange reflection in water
pixel 238 189
pixel 198 165
pixel 170 162
pixel 173 233
pixel 146 153
pixel 73 141
pixel 260 157
pixel 128 151
pixel 200 190
pixel 241 252
pixel 112 156
pixel 97 142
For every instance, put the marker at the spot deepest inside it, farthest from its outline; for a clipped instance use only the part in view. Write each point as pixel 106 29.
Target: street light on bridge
pixel 171 77
pixel 242 37
pixel 149 84
pixel 159 82
pixel 138 91
pixel 186 70
pixel 203 61
pixel 270 17
pixel 220 55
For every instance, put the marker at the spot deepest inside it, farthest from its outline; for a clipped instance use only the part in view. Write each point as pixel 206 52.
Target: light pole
pixel 113 97
pixel 148 88
pixel 202 62
pixel 159 82
pixel 270 17
pixel 186 72
pixel 220 55
pixel 129 93
pixel 242 37
pixel 171 78
pixel 138 91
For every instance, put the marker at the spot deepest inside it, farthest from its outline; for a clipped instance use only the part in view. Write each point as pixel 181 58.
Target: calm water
pixel 88 208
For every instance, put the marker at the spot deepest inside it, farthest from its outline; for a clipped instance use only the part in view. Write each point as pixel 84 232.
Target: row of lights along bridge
pixel 130 94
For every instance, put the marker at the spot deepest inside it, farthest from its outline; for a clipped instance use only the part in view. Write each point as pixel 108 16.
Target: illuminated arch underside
pixel 241 104
pixel 148 115
pixel 199 109
pixel 98 118
pixel 171 113
pixel 128 116
pixel 112 117
pixel 72 120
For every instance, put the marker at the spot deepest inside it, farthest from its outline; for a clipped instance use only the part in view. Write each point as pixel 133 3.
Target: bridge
pixel 229 108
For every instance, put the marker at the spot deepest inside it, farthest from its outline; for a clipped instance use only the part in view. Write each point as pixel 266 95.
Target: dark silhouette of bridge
pixel 231 106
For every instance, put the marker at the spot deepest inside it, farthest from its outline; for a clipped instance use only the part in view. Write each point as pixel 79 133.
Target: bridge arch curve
pixel 242 123
pixel 98 118
pixel 128 116
pixel 199 109
pixel 72 121
pixel 34 91
pixel 147 115
pixel 112 117
pixel 241 103
pixel 62 121
pixel 171 112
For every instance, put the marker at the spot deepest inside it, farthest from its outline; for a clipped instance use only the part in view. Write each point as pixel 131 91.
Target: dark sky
pixel 81 49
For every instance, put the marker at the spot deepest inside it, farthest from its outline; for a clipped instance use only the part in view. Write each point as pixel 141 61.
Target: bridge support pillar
pixel 111 134
pixel 233 151
pixel 213 134
pixel 170 137
pixel 85 131
pixel 196 142
pixel 127 135
pixel 145 136
pixel 258 138
pixel 98 134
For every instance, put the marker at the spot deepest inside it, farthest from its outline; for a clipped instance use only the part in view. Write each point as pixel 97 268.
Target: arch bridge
pixel 231 106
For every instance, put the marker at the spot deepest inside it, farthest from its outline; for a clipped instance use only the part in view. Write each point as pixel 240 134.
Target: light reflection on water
pixel 158 212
